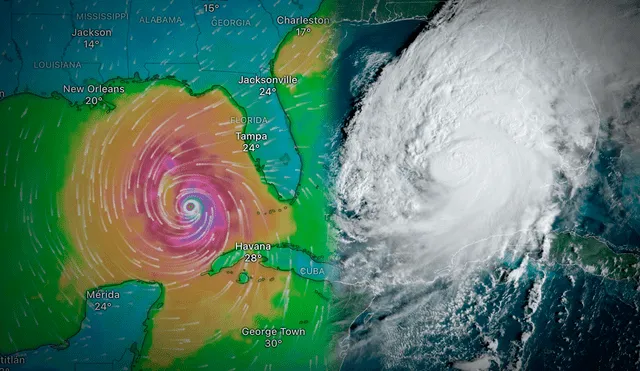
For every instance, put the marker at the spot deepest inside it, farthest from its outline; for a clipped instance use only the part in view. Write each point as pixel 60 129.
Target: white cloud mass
pixel 462 149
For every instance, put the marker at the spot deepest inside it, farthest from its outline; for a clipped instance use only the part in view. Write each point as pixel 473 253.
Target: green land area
pixel 594 256
pixel 379 11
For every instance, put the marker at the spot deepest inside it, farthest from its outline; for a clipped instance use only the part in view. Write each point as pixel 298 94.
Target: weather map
pixel 319 185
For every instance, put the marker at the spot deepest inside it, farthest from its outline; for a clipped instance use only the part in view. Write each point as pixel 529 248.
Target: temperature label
pixel 303 31
pixel 92 100
pixel 272 343
pixel 90 44
pixel 252 258
pixel 267 91
pixel 250 147
pixel 210 8
pixel 101 306
pixel 249 139
pixel 273 336
pixel 103 297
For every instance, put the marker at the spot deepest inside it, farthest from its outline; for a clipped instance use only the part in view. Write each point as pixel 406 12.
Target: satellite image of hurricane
pixel 489 193
pixel 320 185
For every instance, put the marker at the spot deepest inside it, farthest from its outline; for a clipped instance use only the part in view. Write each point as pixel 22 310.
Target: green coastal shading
pixel 243 277
pixel 309 129
pixel 226 260
pixel 36 141
pixel 284 257
pixel 309 109
pixel 304 306
pixel 594 256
